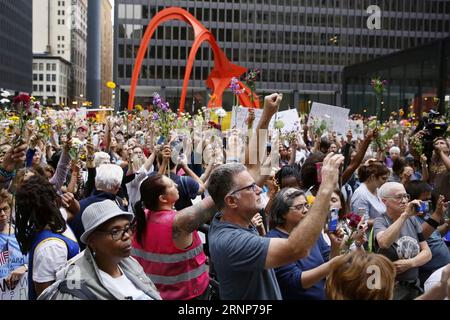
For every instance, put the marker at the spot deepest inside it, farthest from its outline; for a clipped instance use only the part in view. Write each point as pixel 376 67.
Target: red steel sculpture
pixel 220 76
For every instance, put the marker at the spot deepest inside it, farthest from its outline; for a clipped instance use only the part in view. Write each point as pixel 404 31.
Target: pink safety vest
pixel 178 274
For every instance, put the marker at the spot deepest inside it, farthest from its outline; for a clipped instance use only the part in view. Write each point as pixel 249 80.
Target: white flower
pixel 76 143
pixel 4 100
pixel 220 112
pixel 6 94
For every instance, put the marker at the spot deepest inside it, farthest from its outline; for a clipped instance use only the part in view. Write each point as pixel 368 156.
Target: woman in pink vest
pixel 166 242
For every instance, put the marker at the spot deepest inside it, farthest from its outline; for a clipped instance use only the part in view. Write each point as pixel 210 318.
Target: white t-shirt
pixel 51 255
pixel 123 286
pixel 434 279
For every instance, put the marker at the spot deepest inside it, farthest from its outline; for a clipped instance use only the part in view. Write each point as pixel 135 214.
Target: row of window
pixel 130 11
pixel 40 66
pixel 181 52
pixel 201 73
pixel 335 21
pixel 251 35
pixel 61 3
pixel 61 12
pixel 40 88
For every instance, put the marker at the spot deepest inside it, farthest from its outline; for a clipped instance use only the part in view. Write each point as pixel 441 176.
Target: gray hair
pixel 282 202
pixel 221 181
pixel 99 157
pixel 108 177
pixel 385 190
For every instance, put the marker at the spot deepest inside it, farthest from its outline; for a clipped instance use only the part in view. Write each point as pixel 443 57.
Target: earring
pixel 94 253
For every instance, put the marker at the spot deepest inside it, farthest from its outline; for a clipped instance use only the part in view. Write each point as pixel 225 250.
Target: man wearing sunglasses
pixel 244 261
pixel 399 236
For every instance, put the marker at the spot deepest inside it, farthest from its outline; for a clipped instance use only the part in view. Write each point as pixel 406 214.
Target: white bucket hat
pixel 98 213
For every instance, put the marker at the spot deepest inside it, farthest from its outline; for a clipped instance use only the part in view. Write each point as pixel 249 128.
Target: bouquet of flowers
pixel 319 126
pixel 250 79
pixel 236 89
pixel 379 86
pixel 75 149
pixel 162 116
pixel 25 111
pixel 351 225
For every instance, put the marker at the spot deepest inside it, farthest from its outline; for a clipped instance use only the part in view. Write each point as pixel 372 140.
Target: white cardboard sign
pixel 336 117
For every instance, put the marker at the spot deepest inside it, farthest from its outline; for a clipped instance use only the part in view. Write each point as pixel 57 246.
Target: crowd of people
pixel 153 205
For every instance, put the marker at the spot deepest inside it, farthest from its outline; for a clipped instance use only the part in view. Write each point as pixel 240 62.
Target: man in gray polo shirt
pixel 398 235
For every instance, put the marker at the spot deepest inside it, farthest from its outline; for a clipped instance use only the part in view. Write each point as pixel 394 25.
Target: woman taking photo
pixel 304 279
pixel 166 242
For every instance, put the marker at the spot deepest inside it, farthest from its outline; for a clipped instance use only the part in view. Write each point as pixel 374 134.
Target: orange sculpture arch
pixel 220 77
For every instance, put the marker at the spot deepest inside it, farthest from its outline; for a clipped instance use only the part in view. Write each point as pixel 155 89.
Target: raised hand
pixel 330 169
pixel 272 102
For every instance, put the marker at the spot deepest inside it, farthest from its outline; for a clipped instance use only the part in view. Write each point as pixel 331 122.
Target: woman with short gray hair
pixel 305 278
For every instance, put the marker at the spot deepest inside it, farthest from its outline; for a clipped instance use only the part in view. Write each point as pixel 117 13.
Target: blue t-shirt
pixel 15 258
pixel 239 256
pixel 439 250
pixel 289 276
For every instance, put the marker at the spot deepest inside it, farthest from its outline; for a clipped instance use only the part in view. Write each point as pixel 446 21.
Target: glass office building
pixel 301 46
pixel 418 80
pixel 16 54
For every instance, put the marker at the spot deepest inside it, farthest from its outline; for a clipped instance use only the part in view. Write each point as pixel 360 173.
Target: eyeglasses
pixel 400 197
pixel 252 186
pixel 5 209
pixel 301 207
pixel 117 234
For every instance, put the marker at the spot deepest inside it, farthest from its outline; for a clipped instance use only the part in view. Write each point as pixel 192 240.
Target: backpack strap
pixel 82 293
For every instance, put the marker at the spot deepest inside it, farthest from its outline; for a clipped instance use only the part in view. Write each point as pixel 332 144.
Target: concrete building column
pixel 93 63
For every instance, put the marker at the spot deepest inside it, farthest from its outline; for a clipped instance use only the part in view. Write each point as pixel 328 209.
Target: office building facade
pixel 51 79
pixel 60 30
pixel 16 53
pixel 300 46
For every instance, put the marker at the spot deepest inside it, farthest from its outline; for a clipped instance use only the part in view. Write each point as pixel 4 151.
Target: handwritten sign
pixel 239 115
pixel 20 292
pixel 336 117
pixel 289 118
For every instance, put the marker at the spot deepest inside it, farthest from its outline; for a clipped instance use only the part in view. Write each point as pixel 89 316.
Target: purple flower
pixel 156 99
pixel 164 106
pixel 155 116
pixel 235 87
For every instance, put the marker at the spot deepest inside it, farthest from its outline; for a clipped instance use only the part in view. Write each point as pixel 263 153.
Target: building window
pixel 41 66
pixel 48 78
pixel 41 87
pixel 35 77
pixel 35 87
pixel 53 88
pixel 47 88
pixel 54 77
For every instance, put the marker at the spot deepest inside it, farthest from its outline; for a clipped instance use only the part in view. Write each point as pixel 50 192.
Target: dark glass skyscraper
pixel 16 54
pixel 301 46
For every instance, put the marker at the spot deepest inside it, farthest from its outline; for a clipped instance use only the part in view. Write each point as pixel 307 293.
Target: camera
pixel 434 128
pixel 333 219
pixel 424 207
